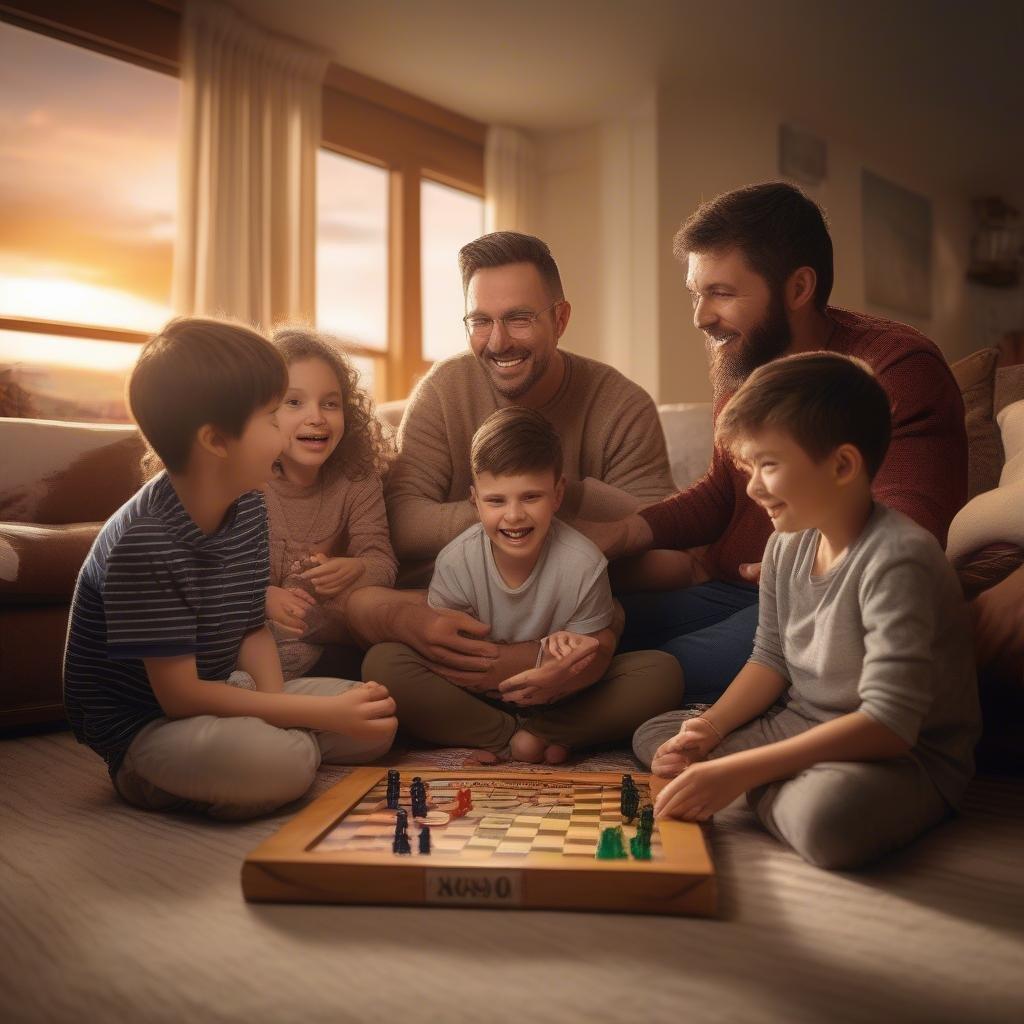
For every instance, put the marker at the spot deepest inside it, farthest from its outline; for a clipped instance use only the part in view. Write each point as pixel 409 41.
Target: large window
pixel 352 260
pixel 88 163
pixel 449 219
pixel 352 268
pixel 88 140
pixel 428 163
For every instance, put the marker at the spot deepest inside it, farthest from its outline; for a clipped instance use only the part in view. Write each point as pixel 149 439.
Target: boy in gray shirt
pixel 531 578
pixel 862 634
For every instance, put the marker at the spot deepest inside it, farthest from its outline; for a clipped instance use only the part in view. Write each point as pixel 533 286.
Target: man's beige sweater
pixel 614 449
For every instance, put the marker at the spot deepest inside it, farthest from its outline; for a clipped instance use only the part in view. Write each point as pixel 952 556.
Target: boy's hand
pixel 553 680
pixel 563 643
pixel 330 576
pixel 288 608
pixel 702 789
pixel 694 741
pixel 364 712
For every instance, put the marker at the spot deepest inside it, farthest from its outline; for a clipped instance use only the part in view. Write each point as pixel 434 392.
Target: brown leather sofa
pixel 58 483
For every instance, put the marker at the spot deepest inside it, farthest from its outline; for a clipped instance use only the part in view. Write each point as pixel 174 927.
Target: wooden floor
pixel 112 915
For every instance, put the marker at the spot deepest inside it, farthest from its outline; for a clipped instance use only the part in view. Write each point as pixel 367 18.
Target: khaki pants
pixel 234 768
pixel 836 814
pixel 433 709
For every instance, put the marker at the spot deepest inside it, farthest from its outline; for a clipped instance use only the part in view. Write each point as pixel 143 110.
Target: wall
pixel 614 194
pixel 598 212
pixel 731 143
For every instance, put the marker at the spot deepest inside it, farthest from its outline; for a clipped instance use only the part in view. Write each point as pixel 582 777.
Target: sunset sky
pixel 88 195
pixel 87 184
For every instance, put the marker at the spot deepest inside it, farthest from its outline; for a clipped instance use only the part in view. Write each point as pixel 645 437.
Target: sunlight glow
pixel 57 298
pixel 116 357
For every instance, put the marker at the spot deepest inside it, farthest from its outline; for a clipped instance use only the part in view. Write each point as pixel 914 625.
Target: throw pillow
pixel 995 517
pixel 976 377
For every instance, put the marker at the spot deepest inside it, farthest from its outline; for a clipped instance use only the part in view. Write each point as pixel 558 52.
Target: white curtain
pixel 511 181
pixel 251 112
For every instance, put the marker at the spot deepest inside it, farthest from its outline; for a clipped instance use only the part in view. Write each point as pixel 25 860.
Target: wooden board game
pixel 529 841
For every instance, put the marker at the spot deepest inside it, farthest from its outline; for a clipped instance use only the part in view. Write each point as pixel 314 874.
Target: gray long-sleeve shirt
pixel 884 631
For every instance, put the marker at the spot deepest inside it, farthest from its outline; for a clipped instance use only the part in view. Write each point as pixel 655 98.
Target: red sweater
pixel 924 474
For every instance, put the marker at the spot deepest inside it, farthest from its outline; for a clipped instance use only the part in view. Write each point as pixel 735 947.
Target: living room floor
pixel 111 914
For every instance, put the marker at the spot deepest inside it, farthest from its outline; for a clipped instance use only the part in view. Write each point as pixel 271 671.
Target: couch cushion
pixel 976 376
pixel 1009 386
pixel 997 515
pixel 39 564
pixel 66 472
pixel 689 436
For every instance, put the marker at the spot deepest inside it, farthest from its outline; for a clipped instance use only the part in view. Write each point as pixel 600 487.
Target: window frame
pixel 363 118
pixel 146 34
pixel 412 139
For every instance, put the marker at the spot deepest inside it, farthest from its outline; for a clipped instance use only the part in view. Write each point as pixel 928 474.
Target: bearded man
pixel 759 273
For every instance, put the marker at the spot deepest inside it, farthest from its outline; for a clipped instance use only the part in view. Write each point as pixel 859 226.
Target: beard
pixel 510 389
pixel 733 363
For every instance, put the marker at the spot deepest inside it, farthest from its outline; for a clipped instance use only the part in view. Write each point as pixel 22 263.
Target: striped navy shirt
pixel 154 586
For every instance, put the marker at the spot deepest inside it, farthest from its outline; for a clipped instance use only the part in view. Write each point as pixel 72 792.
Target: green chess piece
pixel 610 846
pixel 640 847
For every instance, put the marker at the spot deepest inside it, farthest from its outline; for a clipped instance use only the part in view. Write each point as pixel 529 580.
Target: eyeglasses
pixel 518 324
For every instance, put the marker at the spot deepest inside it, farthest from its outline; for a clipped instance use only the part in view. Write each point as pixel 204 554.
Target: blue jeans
pixel 709 629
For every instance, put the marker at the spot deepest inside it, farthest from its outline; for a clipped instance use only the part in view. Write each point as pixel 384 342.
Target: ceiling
pixel 944 71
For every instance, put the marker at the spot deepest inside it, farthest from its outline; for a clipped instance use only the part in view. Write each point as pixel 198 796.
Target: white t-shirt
pixel 568 588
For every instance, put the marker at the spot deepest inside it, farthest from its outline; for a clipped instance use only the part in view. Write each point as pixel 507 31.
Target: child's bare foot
pixel 483 757
pixel 555 753
pixel 532 749
pixel 527 747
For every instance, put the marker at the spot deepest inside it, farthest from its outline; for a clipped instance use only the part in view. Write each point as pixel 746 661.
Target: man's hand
pixel 553 681
pixel 438 634
pixel 330 576
pixel 751 571
pixel 287 608
pixel 702 789
pixel 480 681
pixel 694 741
pixel 629 536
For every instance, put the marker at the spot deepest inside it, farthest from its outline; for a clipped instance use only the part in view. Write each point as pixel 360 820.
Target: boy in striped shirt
pixel 169 606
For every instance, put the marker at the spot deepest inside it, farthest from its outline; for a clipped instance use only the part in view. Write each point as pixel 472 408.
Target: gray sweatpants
pixel 234 768
pixel 836 814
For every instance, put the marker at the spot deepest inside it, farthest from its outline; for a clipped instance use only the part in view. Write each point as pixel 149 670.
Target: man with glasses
pixel 516 313
pixel 615 461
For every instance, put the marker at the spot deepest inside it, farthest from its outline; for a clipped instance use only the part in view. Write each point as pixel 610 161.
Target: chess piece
pixel 394 789
pixel 640 847
pixel 610 846
pixel 630 798
pixel 425 839
pixel 646 822
pixel 418 796
pixel 401 840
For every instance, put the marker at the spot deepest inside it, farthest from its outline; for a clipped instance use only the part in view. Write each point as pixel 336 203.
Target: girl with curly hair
pixel 328 525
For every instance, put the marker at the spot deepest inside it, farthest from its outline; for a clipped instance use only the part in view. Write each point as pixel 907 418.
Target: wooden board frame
pixel 287 867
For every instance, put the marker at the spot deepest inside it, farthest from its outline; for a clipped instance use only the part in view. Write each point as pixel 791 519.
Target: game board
pixel 529 841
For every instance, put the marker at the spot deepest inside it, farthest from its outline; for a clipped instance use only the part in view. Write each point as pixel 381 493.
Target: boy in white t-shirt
pixel 535 581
